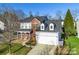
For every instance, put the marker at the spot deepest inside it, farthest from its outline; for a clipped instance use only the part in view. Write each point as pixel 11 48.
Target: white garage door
pixel 47 38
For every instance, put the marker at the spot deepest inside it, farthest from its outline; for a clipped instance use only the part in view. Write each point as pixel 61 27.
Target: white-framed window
pixel 22 27
pixel 51 26
pixel 42 26
pixel 25 25
pixel 28 25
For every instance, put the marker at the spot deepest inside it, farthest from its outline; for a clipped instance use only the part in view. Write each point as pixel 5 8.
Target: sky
pixel 42 8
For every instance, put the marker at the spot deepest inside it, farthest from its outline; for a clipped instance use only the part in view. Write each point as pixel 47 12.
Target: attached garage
pixel 50 38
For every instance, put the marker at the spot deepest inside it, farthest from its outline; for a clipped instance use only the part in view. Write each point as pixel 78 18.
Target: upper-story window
pixel 51 26
pixel 42 26
pixel 25 26
pixel 22 27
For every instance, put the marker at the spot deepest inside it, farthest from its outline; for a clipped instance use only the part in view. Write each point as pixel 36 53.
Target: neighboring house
pixel 2 25
pixel 77 26
pixel 49 33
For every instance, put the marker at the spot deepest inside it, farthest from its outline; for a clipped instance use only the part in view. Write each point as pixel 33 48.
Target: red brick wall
pixel 35 21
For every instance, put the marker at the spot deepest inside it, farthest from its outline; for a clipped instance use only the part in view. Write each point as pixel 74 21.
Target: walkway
pixel 43 49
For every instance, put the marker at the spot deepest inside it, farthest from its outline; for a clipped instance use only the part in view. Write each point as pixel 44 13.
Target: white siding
pixel 2 25
pixel 49 38
pixel 62 23
pixel 25 25
pixel 77 28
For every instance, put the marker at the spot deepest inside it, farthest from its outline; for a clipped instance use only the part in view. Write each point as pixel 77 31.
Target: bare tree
pixel 49 17
pixel 10 20
pixel 37 14
pixel 60 15
pixel 75 13
pixel 20 14
pixel 30 13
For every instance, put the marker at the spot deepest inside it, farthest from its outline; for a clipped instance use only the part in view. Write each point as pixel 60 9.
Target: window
pixel 42 27
pixel 26 27
pixel 51 26
pixel 22 27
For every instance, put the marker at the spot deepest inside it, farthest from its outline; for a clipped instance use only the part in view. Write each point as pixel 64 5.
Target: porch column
pixel 21 35
pixel 17 35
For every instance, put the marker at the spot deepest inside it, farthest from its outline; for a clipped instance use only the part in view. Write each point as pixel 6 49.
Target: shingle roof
pixel 57 26
pixel 44 19
pixel 40 18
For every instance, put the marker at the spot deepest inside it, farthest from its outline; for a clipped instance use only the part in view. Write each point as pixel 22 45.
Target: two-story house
pixel 2 25
pixel 46 31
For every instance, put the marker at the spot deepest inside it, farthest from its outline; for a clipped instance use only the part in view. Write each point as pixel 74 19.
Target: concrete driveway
pixel 42 49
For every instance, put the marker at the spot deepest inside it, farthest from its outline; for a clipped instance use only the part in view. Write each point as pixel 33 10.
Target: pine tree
pixel 69 27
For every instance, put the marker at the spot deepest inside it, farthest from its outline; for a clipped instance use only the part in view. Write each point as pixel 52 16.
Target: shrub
pixel 15 33
pixel 1 31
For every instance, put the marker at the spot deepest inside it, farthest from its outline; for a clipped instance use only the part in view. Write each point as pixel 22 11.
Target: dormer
pixel 51 26
pixel 42 26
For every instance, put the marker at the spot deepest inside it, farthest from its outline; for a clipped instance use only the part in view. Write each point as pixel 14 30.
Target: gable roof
pixel 29 19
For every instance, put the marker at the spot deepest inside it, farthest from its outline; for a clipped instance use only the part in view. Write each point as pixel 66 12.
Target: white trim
pixel 51 24
pixel 2 27
pixel 25 25
pixel 23 31
pixel 42 26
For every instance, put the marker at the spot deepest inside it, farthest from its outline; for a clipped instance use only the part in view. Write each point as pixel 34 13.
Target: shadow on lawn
pixel 3 50
pixel 18 49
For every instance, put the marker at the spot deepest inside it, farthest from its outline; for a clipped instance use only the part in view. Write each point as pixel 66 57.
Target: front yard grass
pixel 23 51
pixel 3 49
pixel 73 43
pixel 16 49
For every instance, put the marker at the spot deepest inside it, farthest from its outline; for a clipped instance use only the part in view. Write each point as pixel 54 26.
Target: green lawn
pixel 16 49
pixel 24 51
pixel 3 48
pixel 73 43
